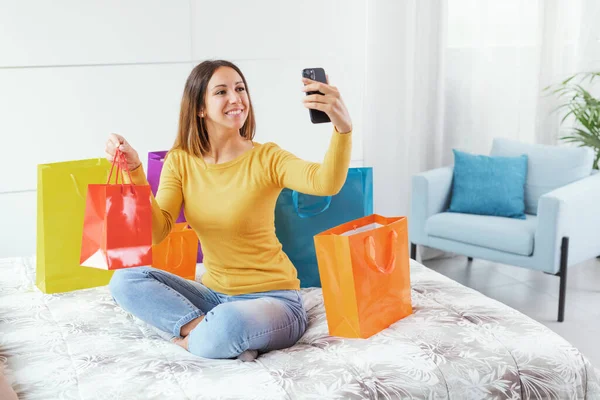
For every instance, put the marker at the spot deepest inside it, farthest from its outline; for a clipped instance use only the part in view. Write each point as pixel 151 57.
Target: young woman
pixel 249 299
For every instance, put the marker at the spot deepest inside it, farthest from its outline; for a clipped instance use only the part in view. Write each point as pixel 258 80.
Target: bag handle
pixel 180 252
pixel 369 243
pixel 119 160
pixel 76 186
pixel 303 214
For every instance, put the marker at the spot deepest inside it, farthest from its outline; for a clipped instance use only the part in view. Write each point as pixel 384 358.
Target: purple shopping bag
pixel 155 165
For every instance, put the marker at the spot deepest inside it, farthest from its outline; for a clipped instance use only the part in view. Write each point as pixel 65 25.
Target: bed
pixel 458 344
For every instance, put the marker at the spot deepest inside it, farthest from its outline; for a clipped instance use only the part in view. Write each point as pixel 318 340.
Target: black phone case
pixel 316 74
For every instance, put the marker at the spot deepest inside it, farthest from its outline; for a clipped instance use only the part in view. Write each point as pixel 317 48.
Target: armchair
pixel 562 205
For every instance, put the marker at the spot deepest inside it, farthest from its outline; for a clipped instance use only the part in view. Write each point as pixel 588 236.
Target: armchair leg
pixel 564 256
pixel 413 251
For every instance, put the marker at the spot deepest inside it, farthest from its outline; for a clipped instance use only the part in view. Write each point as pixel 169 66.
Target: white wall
pixel 71 72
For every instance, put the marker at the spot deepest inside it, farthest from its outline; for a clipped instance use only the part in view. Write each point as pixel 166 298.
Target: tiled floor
pixel 536 295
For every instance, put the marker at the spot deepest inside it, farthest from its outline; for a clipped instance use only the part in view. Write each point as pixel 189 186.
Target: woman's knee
pixel 122 281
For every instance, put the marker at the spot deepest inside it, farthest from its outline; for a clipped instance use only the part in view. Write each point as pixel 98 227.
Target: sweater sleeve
pixel 325 179
pixel 169 198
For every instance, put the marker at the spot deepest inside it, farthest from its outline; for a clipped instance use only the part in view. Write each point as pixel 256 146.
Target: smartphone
pixel 316 74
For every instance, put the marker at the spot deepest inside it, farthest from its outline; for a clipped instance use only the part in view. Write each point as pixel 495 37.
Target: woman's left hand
pixel 330 102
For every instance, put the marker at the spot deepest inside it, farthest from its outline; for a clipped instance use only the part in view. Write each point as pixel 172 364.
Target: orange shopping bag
pixel 177 253
pixel 365 275
pixel 117 226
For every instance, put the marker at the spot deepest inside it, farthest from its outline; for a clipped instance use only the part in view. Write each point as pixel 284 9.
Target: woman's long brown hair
pixel 192 136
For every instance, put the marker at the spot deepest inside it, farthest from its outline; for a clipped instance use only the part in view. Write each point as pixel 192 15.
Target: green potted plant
pixel 584 109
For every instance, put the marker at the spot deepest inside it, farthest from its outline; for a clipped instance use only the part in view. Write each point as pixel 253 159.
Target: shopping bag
pixel 365 273
pixel 117 226
pixel 299 217
pixel 155 164
pixel 61 189
pixel 177 252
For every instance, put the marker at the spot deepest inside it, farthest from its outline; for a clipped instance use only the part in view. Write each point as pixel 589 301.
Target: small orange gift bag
pixel 365 274
pixel 117 224
pixel 177 253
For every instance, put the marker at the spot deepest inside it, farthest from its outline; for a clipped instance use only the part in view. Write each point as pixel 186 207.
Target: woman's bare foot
pixel 185 332
pixel 183 342
pixel 187 328
pixel 248 355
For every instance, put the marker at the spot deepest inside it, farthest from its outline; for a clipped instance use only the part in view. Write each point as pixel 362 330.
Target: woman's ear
pixel 201 114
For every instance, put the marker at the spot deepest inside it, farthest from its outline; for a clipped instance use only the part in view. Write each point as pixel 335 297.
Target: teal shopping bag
pixel 299 217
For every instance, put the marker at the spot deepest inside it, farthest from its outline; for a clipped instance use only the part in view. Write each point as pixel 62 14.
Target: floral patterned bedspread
pixel 458 344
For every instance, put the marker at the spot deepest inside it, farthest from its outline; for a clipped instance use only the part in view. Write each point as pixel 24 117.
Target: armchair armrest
pixel 430 195
pixel 574 211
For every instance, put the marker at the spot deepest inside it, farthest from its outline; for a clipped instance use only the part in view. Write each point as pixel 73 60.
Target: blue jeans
pixel 232 324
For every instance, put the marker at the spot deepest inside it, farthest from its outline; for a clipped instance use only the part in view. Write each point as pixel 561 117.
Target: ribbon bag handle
pixel 369 244
pixel 303 214
pixel 121 163
pixel 180 252
pixel 76 186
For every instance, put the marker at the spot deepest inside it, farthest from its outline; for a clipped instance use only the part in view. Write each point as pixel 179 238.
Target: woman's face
pixel 226 101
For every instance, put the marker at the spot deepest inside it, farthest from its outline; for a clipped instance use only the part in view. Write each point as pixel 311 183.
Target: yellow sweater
pixel 231 207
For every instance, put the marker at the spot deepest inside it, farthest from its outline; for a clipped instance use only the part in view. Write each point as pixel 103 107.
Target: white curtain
pixel 444 74
pixel 403 113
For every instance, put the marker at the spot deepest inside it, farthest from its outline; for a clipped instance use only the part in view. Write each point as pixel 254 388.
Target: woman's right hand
pixel 115 142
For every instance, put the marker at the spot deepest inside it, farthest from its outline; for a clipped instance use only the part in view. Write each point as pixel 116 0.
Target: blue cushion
pixel 487 185
pixel 549 167
pixel 502 234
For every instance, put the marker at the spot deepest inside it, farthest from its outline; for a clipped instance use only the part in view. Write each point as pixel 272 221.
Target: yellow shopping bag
pixel 61 192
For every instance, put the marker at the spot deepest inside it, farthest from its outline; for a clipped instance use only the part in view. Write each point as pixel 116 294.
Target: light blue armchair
pixel 562 205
